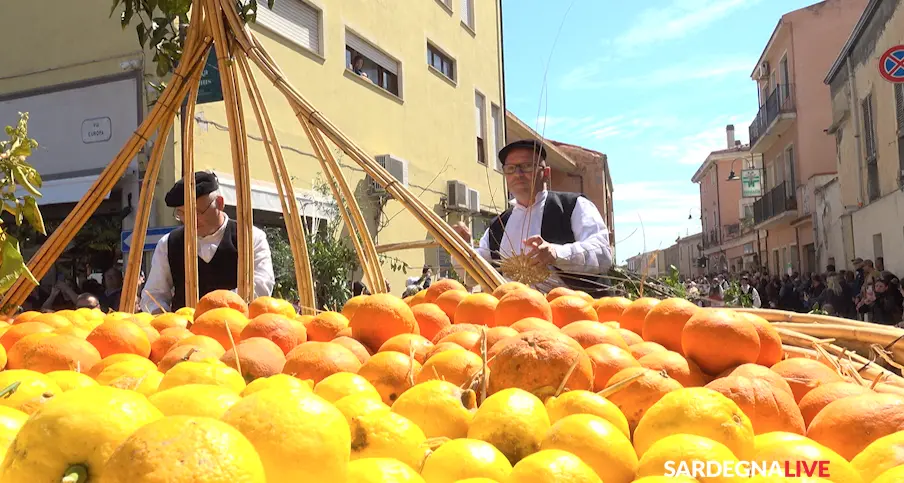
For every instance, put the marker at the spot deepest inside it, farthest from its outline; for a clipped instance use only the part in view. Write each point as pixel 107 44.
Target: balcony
pixel 775 206
pixel 773 119
pixel 710 239
pixel 730 232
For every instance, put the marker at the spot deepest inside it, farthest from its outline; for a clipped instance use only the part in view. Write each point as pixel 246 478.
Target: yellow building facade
pixel 430 105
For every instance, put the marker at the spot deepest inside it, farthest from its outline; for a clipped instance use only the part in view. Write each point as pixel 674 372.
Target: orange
pixel 430 319
pixel 504 289
pixel 586 296
pixel 645 348
pixel 96 369
pixel 634 314
pixel 221 299
pixel 804 375
pixel 820 397
pixel 317 360
pixel 717 339
pixel 448 301
pixel 151 332
pixel 589 333
pixel 27 316
pixel 770 342
pixel 848 425
pixel 571 308
pixel 453 329
pixel 208 344
pixel 558 292
pixel 258 357
pixel 457 366
pixel 219 323
pixel 768 408
pixel 168 337
pixel 20 330
pixel 629 337
pixel 664 322
pixel 521 304
pixel 348 310
pixel 277 328
pixel 119 336
pixel 357 348
pixel 380 317
pixel 676 366
pixel 608 360
pixel 185 353
pixel 610 308
pixel 325 326
pixel 440 287
pixel 467 340
pixel 755 371
pixel 477 309
pixel 635 398
pixel 497 334
pixel 53 353
pixel 417 298
pixel 528 324
pixel 536 361
pixel 270 305
pixel 390 373
pixel 404 343
pixel 56 321
pixel 170 319
pixel 443 347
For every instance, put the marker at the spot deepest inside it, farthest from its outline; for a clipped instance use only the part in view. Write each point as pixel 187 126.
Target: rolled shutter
pixel 294 19
pixel 371 52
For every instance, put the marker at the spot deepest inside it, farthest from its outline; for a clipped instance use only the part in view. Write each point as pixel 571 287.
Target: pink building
pixel 789 129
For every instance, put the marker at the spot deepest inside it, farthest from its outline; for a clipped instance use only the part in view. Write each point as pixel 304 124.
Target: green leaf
pixel 163 66
pixel 115 5
pixel 33 215
pixel 22 179
pixel 12 265
pixel 127 14
pixel 142 33
pixel 270 4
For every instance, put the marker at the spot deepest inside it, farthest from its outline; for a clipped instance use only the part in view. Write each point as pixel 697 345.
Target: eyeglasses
pixel 526 168
pixel 181 216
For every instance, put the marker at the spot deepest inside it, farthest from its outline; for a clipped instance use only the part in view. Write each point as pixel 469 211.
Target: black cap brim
pixel 205 183
pixel 531 144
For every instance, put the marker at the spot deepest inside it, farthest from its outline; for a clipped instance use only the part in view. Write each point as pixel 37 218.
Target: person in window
pixel 218 253
pixel 563 231
pixel 358 66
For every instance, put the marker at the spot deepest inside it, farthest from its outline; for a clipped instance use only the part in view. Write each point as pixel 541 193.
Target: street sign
pixel 891 64
pixel 210 89
pixel 751 183
pixel 150 240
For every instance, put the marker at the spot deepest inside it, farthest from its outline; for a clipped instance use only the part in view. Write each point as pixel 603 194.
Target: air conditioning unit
pixel 397 167
pixel 763 70
pixel 473 200
pixel 457 195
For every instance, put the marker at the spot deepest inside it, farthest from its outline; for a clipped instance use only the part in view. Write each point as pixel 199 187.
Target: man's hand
pixel 463 231
pixel 541 251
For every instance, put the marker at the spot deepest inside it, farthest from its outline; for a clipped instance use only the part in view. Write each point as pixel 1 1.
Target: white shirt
pixel 160 279
pixel 589 254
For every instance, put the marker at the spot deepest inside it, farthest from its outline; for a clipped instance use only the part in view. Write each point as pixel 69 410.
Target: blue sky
pixel 651 83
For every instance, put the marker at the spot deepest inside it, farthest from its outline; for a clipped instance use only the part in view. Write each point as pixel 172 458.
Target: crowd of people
pixel 865 292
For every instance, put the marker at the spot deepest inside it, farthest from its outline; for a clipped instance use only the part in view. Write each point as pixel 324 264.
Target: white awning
pixel 63 190
pixel 265 197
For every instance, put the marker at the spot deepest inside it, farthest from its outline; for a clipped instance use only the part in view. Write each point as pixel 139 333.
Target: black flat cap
pixel 205 183
pixel 533 144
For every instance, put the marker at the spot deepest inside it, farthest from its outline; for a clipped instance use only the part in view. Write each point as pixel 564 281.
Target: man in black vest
pixel 217 251
pixel 564 231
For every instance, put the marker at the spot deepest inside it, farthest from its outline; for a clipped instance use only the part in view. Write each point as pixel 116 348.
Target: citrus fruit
pixel 202 400
pixel 119 336
pixel 220 299
pixel 513 420
pixel 461 458
pixel 270 305
pixel 430 319
pixel 317 360
pixel 29 389
pixel 390 373
pixel 768 408
pixel 804 375
pixel 792 449
pixel 848 425
pixel 676 366
pixel 223 325
pixel 538 359
pixel 597 442
pixel 380 317
pixel 457 366
pixel 552 466
pixel 384 434
pixel 69 380
pixel 205 372
pixel 638 389
pixel 679 454
pixel 359 405
pixel 439 408
pixel 881 455
pixel 382 470
pixel 477 309
pixel 608 360
pixel 520 304
pixel 256 357
pixel 341 384
pixel 718 339
pixel 279 329
pixel 586 402
pixel 664 322
pixel 279 381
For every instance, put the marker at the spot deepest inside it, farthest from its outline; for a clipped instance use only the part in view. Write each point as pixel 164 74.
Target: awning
pixel 265 197
pixel 63 190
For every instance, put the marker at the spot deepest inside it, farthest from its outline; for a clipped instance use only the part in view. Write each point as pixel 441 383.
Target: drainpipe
pixel 855 121
pixel 800 261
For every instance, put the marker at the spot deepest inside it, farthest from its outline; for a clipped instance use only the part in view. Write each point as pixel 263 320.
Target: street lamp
pixel 732 176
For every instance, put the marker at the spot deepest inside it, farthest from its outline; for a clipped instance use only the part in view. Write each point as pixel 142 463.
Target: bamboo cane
pixel 412 245
pixel 790 337
pixel 773 315
pixel 190 216
pixel 871 372
pixel 892 338
pixel 297 240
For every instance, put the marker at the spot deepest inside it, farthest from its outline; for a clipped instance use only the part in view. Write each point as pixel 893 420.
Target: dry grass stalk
pixel 568 374
pixel 238 362
pixel 411 361
pixel 411 245
pixel 520 268
pixel 153 299
pixel 885 356
pixel 877 380
pixel 854 336
pixel 618 386
pixel 485 375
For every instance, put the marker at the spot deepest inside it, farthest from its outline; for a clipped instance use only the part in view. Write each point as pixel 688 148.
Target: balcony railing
pixel 732 231
pixel 774 203
pixel 780 101
pixel 710 239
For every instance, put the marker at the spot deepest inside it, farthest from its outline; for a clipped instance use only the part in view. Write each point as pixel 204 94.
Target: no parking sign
pixel 891 64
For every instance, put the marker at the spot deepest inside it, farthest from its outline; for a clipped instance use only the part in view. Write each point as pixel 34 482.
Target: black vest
pixel 555 227
pixel 220 273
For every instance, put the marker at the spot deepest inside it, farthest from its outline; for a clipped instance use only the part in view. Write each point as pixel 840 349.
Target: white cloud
pixel 650 215
pixel 694 148
pixel 596 75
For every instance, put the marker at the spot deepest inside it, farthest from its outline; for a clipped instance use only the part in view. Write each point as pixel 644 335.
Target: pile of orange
pixel 392 390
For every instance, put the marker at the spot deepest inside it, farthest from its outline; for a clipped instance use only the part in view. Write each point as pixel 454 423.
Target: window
pixel 467 13
pixel 745 209
pixel 789 172
pixel 498 133
pixel 480 105
pixel 877 246
pixel 869 136
pixel 295 20
pixel 375 65
pixel 440 61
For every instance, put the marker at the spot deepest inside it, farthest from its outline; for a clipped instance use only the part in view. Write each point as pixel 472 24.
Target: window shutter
pixel 466 12
pixel 899 105
pixel 294 19
pixel 367 50
pixel 480 106
pixel 868 131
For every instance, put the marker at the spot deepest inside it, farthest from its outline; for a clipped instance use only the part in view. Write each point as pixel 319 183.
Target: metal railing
pixel 710 239
pixel 780 101
pixel 775 202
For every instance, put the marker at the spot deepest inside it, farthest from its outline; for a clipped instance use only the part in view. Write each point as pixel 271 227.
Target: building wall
pixel 828 226
pixel 872 222
pixel 688 253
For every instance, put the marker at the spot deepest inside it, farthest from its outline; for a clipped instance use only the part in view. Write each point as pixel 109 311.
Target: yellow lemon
pixel 90 314
pixel 117 358
pixel 675 455
pixel 11 421
pixel 513 420
pixel 127 375
pixel 203 372
pixel 781 447
pixel 881 455
pixel 117 316
pixel 278 381
pixel 69 380
pixel 195 442
pixel 299 435
pixel 439 408
pixel 893 475
pixel 382 470
pixel 73 330
pixel 75 433
pixel 200 400
pixel 476 480
pixel 586 402
pixel 2 351
pixel 360 404
pixel 142 319
pixel 29 389
pixel 74 318
pixel 336 386
pixel 465 458
pixel 552 466
pixel 186 311
pixel 387 435
pixel 598 443
pixel 700 411
pixel 667 479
